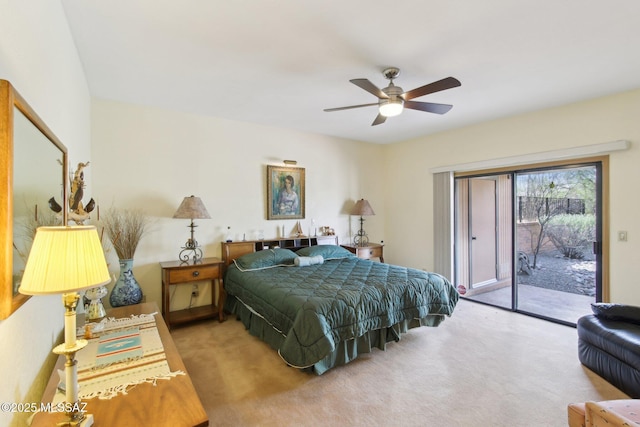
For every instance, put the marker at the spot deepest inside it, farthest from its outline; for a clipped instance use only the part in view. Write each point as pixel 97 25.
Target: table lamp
pixel 191 208
pixel 65 260
pixel 361 208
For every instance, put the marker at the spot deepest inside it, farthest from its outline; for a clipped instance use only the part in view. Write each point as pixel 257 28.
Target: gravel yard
pixel 553 271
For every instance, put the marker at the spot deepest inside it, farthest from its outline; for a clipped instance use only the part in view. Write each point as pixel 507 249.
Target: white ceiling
pixel 281 62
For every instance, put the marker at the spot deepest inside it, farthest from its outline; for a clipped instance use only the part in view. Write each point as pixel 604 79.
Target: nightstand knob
pixel 196 273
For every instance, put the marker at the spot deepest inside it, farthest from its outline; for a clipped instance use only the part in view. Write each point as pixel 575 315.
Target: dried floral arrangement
pixel 125 228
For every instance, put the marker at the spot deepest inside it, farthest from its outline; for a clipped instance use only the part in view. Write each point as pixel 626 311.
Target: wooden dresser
pixel 171 403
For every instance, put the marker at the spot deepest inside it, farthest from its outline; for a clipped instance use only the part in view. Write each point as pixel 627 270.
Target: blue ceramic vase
pixel 126 291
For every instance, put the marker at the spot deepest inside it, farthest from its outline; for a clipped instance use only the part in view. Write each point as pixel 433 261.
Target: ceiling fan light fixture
pixel 391 107
pixel 392 99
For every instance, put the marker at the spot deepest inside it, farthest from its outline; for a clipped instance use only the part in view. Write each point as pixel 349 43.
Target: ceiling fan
pixel 392 100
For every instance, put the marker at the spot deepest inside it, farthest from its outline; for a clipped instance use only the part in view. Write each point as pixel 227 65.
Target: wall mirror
pixel 33 171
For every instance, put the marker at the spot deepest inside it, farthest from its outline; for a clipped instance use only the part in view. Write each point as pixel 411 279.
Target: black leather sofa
pixel 609 345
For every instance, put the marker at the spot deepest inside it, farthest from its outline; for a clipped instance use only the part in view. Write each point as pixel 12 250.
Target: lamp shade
pixel 362 208
pixel 64 259
pixel 192 208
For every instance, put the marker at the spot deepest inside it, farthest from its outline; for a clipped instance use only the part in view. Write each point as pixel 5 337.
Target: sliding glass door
pixel 529 240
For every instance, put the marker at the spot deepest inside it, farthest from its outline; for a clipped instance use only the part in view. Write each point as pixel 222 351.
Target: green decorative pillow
pixel 267 258
pixel 623 312
pixel 326 251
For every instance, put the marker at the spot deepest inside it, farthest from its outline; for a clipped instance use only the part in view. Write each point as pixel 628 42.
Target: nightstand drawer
pixel 367 253
pixel 372 250
pixel 193 273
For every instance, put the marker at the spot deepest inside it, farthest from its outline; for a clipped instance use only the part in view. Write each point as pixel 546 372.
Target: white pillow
pixel 303 261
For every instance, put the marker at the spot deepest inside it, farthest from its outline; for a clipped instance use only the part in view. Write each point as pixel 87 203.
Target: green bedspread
pixel 316 307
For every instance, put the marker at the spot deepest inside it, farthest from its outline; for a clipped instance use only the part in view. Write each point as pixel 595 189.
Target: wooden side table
pixel 372 250
pixel 178 273
pixel 171 402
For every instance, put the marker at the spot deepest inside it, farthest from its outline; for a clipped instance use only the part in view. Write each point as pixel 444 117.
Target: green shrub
pixel 572 235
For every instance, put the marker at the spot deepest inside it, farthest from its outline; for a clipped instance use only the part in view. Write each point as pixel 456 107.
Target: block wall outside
pixel 528 231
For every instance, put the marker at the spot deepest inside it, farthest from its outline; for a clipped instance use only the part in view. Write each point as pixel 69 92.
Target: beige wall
pixel 409 192
pixel 38 56
pixel 150 159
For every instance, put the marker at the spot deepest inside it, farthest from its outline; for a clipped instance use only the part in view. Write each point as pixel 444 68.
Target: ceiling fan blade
pixel 429 107
pixel 446 83
pixel 349 107
pixel 369 87
pixel 379 120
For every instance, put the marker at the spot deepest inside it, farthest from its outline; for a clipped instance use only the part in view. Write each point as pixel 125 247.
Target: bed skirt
pixel 345 351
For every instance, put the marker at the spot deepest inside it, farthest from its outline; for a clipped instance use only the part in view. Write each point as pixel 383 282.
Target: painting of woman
pixel 285 192
pixel 288 198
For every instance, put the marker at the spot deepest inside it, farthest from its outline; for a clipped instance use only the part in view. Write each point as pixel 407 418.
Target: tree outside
pixel 556 210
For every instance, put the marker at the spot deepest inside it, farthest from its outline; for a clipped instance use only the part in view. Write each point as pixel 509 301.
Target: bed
pixel 321 306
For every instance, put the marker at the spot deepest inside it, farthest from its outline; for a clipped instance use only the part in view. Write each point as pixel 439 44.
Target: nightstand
pixel 372 250
pixel 178 273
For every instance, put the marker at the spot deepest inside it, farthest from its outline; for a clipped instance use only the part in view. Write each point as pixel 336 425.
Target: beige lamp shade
pixel 64 259
pixel 362 208
pixel 192 208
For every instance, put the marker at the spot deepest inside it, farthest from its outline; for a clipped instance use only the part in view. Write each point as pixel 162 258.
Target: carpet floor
pixel 481 367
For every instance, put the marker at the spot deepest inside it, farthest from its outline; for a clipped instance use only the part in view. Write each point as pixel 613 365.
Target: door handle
pixel 473 238
pixel 597 248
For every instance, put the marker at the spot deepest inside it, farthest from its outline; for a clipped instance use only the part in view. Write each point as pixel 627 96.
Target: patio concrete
pixel 559 305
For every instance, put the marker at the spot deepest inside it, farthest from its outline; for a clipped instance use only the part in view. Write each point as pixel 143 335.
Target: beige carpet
pixel 481 367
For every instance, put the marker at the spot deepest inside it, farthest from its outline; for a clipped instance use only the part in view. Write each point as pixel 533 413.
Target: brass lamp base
pixel 76 418
pixel 87 421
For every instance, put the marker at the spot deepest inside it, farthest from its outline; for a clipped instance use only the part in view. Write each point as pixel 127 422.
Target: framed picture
pixel 285 192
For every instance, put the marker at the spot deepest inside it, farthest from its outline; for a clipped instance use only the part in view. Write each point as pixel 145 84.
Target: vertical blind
pixel 443 223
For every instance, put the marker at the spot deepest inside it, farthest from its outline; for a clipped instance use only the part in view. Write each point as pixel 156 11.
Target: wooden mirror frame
pixel 10 100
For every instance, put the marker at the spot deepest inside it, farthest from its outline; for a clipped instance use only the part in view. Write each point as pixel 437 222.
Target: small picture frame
pixel 285 192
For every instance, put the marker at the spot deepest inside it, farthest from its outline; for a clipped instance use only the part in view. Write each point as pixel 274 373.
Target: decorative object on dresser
pixel 285 192
pixel 191 208
pixel 26 145
pixel 297 231
pixel 361 208
pixel 95 309
pixel 127 290
pixel 125 228
pixel 326 230
pixel 65 260
pixel 179 273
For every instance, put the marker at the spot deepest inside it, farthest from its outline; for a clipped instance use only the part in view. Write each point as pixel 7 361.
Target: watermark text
pixel 43 407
